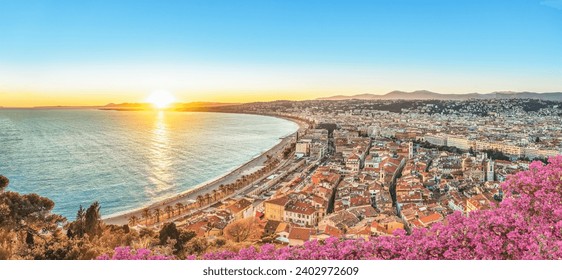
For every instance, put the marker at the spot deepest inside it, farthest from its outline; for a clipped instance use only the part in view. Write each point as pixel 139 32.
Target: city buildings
pixel 359 170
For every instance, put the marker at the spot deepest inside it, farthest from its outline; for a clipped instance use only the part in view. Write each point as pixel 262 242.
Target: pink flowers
pixel 526 225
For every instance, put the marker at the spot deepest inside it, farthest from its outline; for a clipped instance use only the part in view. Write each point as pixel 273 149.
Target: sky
pixel 97 52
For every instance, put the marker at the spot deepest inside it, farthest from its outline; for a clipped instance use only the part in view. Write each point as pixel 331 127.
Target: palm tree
pixel 215 195
pixel 157 212
pixel 169 210
pixel 146 215
pixel 133 220
pixel 208 198
pixel 200 200
pixel 179 206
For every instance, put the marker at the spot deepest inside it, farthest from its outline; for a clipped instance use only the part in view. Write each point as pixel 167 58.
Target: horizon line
pixel 281 99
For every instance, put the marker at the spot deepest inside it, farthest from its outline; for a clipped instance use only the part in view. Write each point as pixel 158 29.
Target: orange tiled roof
pixel 239 206
pixel 300 233
pixel 333 231
pixel 300 208
pixel 280 201
pixel 430 219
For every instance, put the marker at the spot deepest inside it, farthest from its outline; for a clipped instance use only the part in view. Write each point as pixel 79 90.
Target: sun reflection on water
pixel 161 177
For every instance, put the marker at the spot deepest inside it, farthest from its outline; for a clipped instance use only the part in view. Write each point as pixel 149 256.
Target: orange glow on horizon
pixel 26 100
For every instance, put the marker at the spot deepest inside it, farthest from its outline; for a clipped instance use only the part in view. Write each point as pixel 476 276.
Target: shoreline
pixel 122 218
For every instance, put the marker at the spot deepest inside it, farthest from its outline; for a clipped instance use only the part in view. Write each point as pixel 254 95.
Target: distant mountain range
pixel 424 94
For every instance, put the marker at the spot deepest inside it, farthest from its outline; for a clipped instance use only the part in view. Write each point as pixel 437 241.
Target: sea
pixel 126 159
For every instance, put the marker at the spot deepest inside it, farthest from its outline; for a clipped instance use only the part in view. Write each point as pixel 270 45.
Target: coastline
pixel 122 218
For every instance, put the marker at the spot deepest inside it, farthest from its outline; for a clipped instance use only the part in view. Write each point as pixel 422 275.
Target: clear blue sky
pixel 313 47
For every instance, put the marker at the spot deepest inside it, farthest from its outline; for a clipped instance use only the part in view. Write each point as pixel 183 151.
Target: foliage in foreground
pixel 125 253
pixel 526 225
pixel 29 230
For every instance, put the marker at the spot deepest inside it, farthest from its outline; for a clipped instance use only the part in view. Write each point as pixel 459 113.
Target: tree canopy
pixel 4 182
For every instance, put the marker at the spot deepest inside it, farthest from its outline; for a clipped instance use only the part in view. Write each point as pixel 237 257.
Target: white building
pixel 301 214
pixel 461 143
pixel 302 148
pixel 532 153
pixel 499 146
pixel 436 140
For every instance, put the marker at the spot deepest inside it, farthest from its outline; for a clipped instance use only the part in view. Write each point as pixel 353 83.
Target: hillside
pixel 424 94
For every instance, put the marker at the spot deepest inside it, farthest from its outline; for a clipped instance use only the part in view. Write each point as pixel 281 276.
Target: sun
pixel 161 99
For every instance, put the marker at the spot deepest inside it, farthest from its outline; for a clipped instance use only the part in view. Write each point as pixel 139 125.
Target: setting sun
pixel 161 99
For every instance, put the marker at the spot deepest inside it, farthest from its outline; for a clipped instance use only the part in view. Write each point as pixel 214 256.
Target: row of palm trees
pixel 153 216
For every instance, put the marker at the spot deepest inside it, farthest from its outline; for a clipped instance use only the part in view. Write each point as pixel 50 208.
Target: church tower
pixel 490 170
pixel 410 149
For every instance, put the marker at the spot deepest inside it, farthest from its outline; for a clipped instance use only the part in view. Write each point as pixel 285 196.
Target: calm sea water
pixel 125 160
